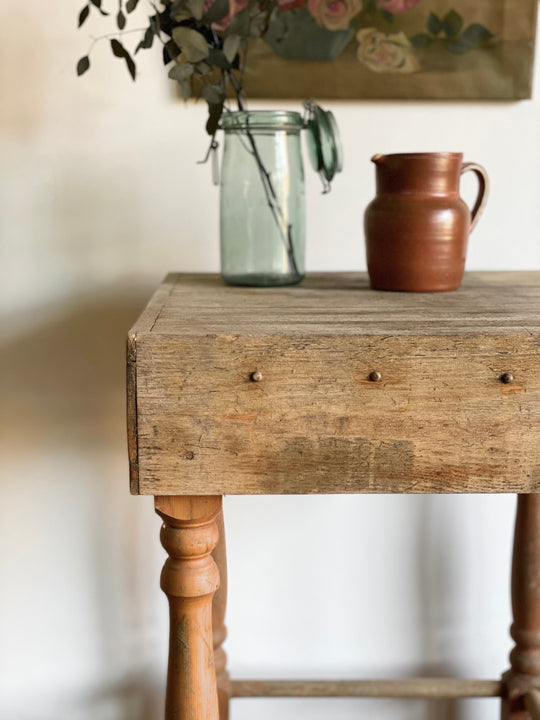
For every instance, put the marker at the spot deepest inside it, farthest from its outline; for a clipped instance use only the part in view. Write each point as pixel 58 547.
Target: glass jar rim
pixel 262 120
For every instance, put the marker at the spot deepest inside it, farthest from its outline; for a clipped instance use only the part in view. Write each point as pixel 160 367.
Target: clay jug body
pixel 417 227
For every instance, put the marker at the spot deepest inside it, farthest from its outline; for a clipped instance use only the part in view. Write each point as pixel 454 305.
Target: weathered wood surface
pixel 522 699
pixel 219 629
pixel 429 688
pixel 342 304
pixel 190 578
pixel 438 420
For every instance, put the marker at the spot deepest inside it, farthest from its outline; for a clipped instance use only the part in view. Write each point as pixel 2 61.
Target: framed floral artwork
pixel 355 49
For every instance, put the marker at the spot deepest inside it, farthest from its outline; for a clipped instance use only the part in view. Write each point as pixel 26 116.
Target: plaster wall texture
pixel 100 196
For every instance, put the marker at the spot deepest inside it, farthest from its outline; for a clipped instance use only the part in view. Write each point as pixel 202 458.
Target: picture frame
pixel 395 49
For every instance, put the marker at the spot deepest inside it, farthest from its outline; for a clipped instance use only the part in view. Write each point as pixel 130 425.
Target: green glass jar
pixel 262 199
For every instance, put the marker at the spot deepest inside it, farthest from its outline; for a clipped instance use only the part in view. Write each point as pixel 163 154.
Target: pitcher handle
pixel 483 191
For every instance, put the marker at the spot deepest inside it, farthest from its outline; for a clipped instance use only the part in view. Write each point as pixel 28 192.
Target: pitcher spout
pixel 377 159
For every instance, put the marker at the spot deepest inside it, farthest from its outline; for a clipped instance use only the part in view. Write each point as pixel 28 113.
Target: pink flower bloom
pixel 397 6
pixel 334 14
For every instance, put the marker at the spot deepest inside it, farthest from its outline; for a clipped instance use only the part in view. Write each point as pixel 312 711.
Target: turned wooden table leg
pixel 218 622
pixel 190 578
pixel 522 700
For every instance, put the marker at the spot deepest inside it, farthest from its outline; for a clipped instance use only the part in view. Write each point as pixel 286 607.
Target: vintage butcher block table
pixel 330 387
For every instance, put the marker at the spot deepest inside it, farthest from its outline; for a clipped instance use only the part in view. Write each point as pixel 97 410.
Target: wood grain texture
pixel 131 407
pixel 145 323
pixel 190 578
pixel 439 419
pixel 409 688
pixel 342 304
pixel 219 629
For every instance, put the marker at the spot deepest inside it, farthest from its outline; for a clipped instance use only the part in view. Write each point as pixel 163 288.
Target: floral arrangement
pixel 205 46
pixel 205 43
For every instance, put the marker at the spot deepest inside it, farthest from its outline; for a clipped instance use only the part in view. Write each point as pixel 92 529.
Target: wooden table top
pixel 343 303
pixel 437 418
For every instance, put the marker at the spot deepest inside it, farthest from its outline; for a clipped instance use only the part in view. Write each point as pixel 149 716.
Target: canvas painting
pixel 354 49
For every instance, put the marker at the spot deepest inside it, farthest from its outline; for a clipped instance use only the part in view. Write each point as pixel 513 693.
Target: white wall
pixel 100 197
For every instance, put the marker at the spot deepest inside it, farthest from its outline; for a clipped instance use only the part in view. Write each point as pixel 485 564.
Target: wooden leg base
pixel 190 578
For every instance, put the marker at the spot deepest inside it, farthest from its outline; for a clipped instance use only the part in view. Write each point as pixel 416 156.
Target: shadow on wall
pixel 448 537
pixel 135 699
pixel 63 383
pixel 83 541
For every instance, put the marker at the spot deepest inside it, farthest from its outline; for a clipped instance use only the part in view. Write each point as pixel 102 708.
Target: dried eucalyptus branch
pixel 206 41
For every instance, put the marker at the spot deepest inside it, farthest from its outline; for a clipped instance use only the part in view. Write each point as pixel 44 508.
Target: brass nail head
pixel 507 378
pixel 256 376
pixel 375 376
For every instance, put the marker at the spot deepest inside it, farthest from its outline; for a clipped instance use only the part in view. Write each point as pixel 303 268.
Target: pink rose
pixel 334 14
pixel 397 6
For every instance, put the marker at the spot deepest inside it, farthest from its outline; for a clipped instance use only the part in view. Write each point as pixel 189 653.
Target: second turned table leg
pixel 218 622
pixel 523 700
pixel 190 578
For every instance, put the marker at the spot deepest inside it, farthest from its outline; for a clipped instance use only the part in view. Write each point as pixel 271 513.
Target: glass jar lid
pixel 324 145
pixel 255 120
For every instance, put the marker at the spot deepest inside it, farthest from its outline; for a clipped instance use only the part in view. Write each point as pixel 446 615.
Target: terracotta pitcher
pixel 417 226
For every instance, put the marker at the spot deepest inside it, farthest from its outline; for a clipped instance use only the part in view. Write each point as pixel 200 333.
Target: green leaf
pixel 475 35
pixel 422 40
pixel 452 23
pixel 240 25
pixel 218 59
pixel 85 12
pixel 121 20
pixel 131 5
pixel 170 52
pixel 192 43
pixel 131 66
pixel 216 12
pixel 120 51
pixel 202 68
pixel 117 48
pixel 388 16
pixel 147 41
pixel 178 10
pixel 196 8
pixel 186 90
pixel 214 116
pixel 213 94
pixel 230 46
pixel 181 72
pixel 83 65
pixel 258 25
pixel 434 24
pixel 97 3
